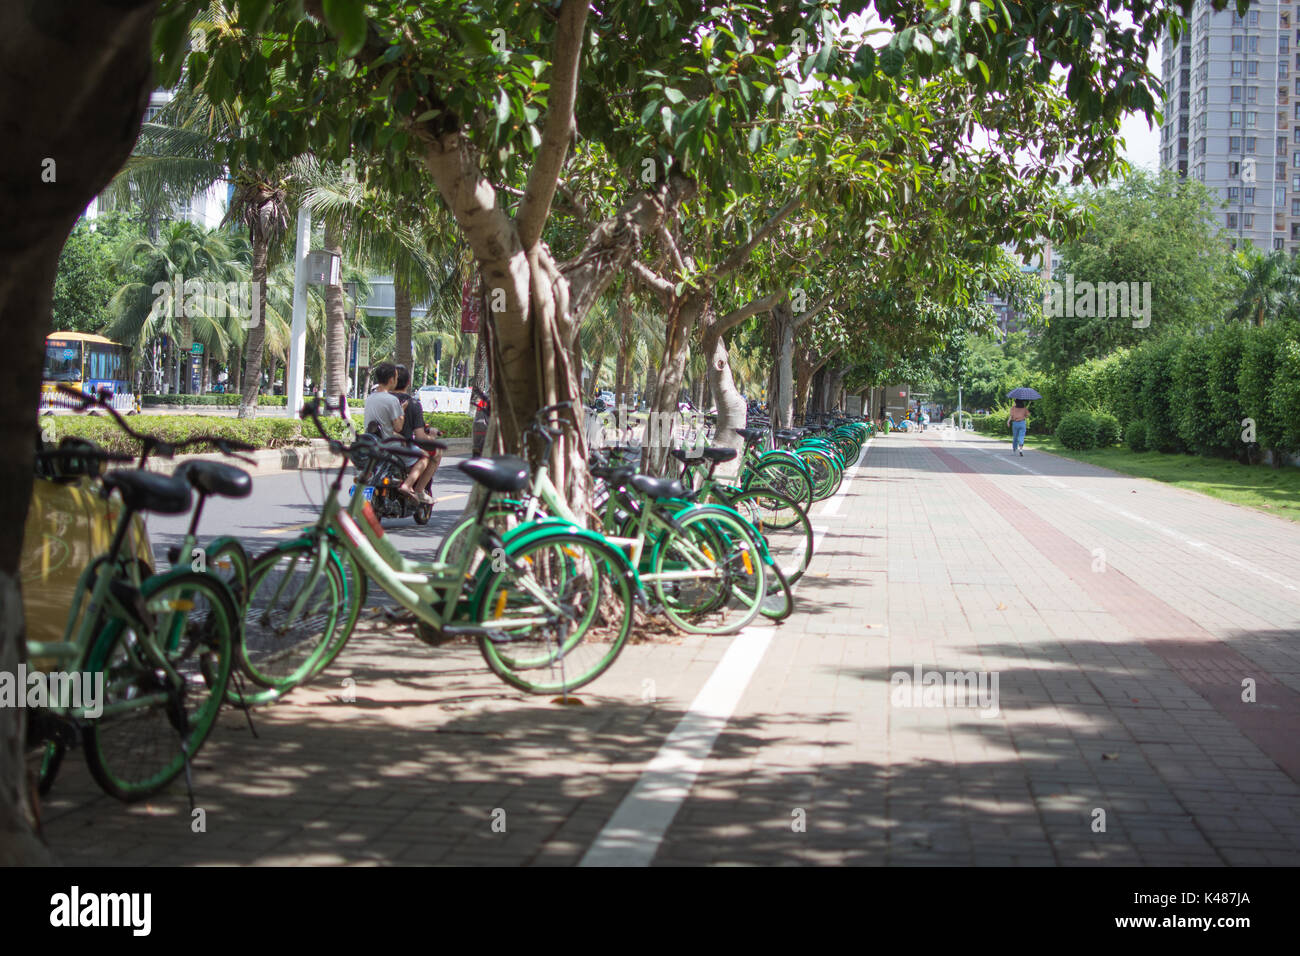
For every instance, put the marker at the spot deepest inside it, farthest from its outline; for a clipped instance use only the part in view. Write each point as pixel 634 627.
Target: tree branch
pixel 735 317
pixel 741 255
pixel 545 174
pixel 820 305
pixel 657 283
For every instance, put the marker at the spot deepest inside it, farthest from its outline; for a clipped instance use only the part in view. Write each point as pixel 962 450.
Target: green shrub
pixel 1135 436
pixel 1260 360
pixel 1191 403
pixel 1284 397
pixel 1107 430
pixel 259 432
pixel 1077 430
pixel 226 400
pixel 1226 344
pixel 1156 396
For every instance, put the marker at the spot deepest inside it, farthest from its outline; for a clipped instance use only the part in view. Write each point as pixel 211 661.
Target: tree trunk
pixel 255 342
pixel 623 361
pixel 780 389
pixel 534 305
pixel 78 123
pixel 732 412
pixel 402 352
pixel 336 325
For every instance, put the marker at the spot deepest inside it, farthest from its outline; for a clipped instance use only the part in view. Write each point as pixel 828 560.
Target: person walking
pixel 1019 422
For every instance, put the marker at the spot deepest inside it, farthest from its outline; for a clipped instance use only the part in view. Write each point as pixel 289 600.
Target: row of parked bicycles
pixel 550 596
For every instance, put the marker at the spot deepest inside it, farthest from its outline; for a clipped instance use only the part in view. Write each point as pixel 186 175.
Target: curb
pixel 275 461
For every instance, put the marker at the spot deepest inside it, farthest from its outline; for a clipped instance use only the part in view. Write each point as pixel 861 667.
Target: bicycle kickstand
pixel 247 708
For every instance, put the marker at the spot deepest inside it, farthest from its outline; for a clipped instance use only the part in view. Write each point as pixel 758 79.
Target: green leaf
pixel 674 96
pixel 347 18
pixel 503 108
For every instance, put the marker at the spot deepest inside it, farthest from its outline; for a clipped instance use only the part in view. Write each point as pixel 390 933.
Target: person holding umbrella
pixel 1019 418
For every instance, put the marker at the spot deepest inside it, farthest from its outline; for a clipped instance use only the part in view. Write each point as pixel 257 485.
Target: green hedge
pixel 260 432
pixel 227 401
pixel 1188 392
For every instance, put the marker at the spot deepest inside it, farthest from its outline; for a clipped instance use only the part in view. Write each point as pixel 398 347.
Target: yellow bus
pixel 89 363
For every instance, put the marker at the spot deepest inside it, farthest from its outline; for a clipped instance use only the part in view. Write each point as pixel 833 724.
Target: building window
pixel 1248 220
pixel 1234 94
pixel 1232 220
pixel 1279 195
pixel 1248 195
pixel 1281 70
pixel 1234 118
pixel 1234 169
pixel 1237 68
pixel 1284 42
pixel 1252 118
pixel 1238 44
pixel 1234 142
pixel 1277 245
pixel 1295 207
pixel 1252 94
pixel 1250 144
pixel 1234 193
pixel 1252 68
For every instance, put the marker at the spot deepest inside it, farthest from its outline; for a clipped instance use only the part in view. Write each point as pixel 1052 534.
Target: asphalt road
pixel 282 505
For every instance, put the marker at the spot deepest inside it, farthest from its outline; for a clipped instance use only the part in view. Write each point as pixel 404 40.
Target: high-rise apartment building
pixel 1232 117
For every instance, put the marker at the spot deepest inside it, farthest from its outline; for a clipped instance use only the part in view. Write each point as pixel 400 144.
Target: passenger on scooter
pixel 413 427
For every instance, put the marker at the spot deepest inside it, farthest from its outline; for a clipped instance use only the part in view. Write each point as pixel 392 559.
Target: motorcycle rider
pixel 385 414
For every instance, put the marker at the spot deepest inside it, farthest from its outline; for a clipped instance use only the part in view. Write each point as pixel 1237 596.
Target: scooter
pixel 379 481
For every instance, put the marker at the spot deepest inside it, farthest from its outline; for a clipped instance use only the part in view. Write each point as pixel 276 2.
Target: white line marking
pixel 833 506
pixel 632 835
pixel 1224 556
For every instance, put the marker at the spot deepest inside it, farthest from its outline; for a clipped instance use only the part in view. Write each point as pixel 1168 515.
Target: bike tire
pixel 784 525
pixel 129 759
pixel 586 577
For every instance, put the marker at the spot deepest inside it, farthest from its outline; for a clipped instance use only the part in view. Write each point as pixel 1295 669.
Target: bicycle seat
pixel 658 487
pixel 613 474
pixel 789 434
pixel 683 455
pixel 750 434
pixel 150 491
pixel 719 453
pixel 506 473
pixel 216 478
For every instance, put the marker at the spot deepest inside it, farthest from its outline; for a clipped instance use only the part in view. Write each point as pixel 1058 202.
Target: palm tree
pixel 157 299
pixel 1269 285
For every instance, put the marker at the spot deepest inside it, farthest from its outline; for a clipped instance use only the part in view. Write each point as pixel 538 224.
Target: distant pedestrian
pixel 1019 422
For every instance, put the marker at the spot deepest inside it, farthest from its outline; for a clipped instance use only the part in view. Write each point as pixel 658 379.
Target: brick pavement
pixel 1118 616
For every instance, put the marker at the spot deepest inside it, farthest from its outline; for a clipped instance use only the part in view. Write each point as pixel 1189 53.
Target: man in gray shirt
pixel 382 407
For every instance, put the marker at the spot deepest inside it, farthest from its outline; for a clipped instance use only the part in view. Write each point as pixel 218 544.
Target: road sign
pixel 196 348
pixel 363 352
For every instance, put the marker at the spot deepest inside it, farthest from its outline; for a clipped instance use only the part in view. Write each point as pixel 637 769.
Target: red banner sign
pixel 471 306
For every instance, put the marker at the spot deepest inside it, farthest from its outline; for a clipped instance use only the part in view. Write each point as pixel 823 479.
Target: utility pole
pixel 296 372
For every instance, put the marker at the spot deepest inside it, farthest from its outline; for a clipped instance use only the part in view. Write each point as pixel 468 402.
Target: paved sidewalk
pixel 1118 617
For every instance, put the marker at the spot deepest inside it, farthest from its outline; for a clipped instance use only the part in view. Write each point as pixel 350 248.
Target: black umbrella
pixel 1026 393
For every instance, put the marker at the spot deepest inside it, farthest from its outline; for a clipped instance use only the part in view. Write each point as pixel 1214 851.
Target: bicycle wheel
pixel 355 587
pixel 784 525
pixel 464 535
pixel 778 602
pixel 560 648
pixel 291 617
pixel 707 574
pixel 155 716
pixel 782 475
pixel 826 475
